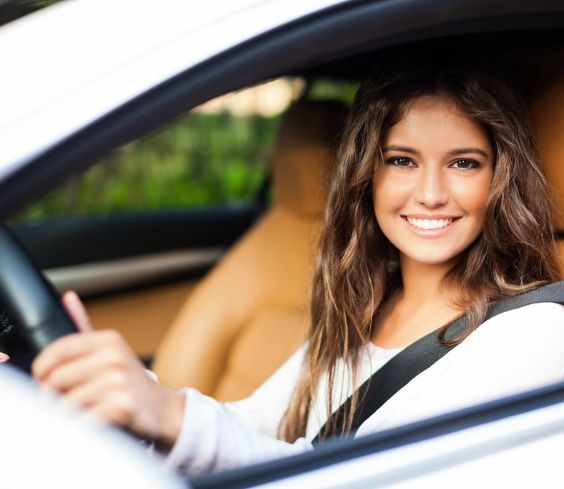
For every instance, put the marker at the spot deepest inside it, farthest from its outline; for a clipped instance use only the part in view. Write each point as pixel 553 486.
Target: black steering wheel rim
pixel 30 300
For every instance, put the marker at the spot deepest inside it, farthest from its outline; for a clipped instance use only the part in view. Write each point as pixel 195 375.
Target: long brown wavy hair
pixel 354 274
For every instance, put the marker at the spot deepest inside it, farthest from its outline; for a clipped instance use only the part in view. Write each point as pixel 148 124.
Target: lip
pixel 430 233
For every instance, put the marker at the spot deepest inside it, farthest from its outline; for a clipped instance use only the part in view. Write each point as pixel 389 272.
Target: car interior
pixel 204 325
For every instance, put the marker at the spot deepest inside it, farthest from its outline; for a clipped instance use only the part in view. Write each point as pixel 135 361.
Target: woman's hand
pixel 3 357
pixel 98 371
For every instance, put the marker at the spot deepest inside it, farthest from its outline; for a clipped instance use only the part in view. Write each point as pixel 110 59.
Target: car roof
pixel 67 65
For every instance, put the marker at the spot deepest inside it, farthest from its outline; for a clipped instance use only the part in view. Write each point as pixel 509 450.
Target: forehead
pixel 431 120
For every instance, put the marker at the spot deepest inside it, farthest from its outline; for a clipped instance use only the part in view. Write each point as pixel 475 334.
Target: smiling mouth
pixel 429 224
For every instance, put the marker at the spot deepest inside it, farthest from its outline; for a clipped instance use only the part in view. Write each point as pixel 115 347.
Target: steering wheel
pixel 31 301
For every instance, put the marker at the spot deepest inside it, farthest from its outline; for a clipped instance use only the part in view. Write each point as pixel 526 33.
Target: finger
pixel 83 369
pixel 76 310
pixel 60 351
pixel 93 392
pixel 4 357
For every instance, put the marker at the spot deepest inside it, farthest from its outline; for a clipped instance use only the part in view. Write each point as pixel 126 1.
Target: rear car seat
pixel 252 310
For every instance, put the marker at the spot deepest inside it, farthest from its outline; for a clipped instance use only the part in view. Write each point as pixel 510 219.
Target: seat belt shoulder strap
pixel 422 354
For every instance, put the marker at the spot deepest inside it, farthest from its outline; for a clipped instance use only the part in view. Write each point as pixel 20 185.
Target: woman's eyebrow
pixel 454 152
pixel 405 149
pixel 462 151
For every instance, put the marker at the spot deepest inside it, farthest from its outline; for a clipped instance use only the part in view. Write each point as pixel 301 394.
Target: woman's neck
pixel 421 306
pixel 422 282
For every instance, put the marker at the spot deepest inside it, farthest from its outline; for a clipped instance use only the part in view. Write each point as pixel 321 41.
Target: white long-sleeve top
pixel 512 352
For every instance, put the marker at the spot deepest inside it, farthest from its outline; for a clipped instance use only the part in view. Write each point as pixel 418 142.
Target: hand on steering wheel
pixel 95 369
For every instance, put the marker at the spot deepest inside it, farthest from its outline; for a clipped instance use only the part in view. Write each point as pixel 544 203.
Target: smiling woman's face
pixel 431 192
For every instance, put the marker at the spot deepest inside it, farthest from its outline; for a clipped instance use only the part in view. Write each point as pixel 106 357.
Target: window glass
pixel 215 155
pixel 342 90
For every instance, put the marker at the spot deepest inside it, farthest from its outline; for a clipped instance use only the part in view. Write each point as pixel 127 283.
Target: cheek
pixel 473 197
pixel 389 193
pixel 383 202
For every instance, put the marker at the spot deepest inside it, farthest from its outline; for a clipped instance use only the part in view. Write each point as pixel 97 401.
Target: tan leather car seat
pixel 251 312
pixel 547 108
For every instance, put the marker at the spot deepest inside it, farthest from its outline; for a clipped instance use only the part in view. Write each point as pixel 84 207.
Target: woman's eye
pixel 400 161
pixel 465 164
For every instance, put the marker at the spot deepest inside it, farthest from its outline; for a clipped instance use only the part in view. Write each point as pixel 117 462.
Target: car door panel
pixel 134 271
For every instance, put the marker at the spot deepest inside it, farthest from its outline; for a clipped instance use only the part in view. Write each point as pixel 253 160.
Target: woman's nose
pixel 431 190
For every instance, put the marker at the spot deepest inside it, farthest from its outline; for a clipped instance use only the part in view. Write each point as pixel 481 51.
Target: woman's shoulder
pixel 534 327
pixel 541 315
pixel 512 352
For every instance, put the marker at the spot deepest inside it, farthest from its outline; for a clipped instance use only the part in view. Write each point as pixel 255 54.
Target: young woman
pixel 438 207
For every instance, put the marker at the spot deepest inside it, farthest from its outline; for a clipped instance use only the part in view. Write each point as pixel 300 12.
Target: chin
pixel 432 258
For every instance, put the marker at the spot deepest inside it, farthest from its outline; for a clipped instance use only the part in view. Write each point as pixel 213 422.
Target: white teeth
pixel 429 223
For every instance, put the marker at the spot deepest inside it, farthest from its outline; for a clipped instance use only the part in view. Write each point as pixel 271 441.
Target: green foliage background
pixel 203 159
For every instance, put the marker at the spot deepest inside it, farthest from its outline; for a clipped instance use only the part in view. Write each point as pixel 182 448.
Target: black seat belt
pixel 419 356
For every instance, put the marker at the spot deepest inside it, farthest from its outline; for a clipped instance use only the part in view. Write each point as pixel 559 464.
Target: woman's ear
pixel 4 357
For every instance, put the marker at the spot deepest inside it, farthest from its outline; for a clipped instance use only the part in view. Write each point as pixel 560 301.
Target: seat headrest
pixel 547 110
pixel 303 154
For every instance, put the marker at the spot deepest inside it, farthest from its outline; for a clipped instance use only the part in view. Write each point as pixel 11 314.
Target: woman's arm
pixel 214 436
pixel 99 372
pixel 224 435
